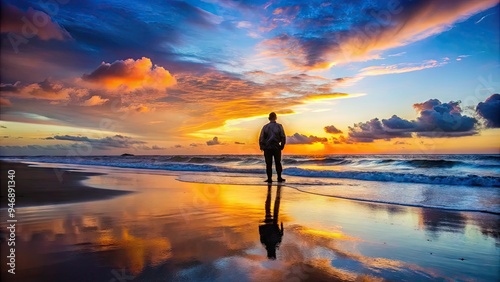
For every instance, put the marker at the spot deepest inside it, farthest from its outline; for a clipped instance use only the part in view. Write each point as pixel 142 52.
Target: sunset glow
pixel 200 77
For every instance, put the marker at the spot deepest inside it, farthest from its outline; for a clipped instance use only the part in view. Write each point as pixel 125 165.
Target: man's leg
pixel 268 156
pixel 277 161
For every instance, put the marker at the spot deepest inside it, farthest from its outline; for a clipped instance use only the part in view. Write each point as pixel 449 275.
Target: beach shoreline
pixel 183 231
pixel 48 186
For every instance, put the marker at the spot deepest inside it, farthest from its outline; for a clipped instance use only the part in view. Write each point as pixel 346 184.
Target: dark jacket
pixel 272 137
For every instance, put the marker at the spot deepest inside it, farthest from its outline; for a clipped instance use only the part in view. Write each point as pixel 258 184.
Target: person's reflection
pixel 270 232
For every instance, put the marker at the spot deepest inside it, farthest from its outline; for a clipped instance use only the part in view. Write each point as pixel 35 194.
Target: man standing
pixel 272 140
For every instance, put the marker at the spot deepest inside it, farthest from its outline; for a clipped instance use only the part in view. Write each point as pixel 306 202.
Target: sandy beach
pixel 90 227
pixel 45 186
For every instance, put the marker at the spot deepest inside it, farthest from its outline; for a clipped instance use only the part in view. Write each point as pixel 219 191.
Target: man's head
pixel 272 116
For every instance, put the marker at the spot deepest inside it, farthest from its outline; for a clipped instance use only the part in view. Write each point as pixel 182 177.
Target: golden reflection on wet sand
pixel 188 231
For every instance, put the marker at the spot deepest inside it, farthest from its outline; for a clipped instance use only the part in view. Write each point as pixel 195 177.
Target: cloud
pixel 206 99
pixel 400 68
pixel 435 119
pixel 142 109
pixel 37 150
pixel 483 17
pixel 26 24
pixel 244 24
pixel 131 75
pixel 341 140
pixel 373 130
pixel 48 89
pixel 397 54
pixel 79 143
pixel 244 6
pixel 69 138
pixel 216 96
pixel 5 102
pixel 8 87
pixel 116 141
pixel 309 40
pixel 94 101
pixel 397 123
pixel 459 58
pixel 239 143
pixel 194 15
pixel 214 141
pixel 152 148
pixel 490 111
pixel 445 117
pixel 304 139
pixel 332 130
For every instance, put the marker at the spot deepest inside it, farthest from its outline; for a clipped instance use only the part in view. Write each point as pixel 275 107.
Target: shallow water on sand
pixel 177 231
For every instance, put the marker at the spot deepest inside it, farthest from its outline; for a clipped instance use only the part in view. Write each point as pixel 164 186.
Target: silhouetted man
pixel 270 233
pixel 272 140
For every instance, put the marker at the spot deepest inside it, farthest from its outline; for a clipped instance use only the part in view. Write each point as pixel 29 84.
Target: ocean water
pixel 455 182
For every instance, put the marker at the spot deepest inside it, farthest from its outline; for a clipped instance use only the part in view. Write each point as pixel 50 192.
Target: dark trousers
pixel 268 155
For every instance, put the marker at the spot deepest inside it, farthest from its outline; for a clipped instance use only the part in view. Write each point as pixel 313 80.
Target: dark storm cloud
pixel 490 111
pixel 435 119
pixel 332 129
pixel 298 138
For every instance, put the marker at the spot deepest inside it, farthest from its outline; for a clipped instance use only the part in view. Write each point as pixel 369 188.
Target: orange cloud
pixel 54 91
pixel 5 102
pixel 94 101
pixel 142 109
pixel 131 75
pixel 216 97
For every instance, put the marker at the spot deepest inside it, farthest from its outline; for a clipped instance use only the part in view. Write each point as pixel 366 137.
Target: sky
pixel 83 78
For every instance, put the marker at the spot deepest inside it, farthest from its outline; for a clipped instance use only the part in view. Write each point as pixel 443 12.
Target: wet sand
pixel 176 231
pixel 44 186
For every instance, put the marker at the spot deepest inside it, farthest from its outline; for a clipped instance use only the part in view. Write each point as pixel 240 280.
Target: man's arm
pixel 262 138
pixel 283 137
